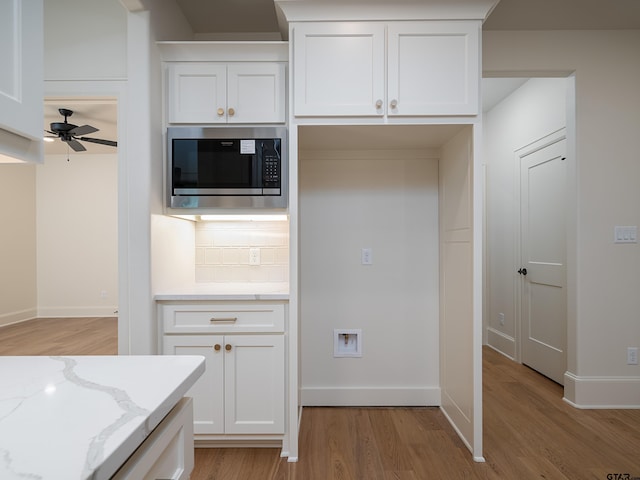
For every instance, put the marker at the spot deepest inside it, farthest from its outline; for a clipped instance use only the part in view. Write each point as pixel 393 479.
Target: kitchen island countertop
pixel 81 417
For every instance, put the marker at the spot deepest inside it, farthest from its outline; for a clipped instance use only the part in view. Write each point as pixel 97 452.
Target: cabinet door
pixel 207 392
pixel 339 69
pixel 197 93
pixel 254 384
pixel 21 81
pixel 433 68
pixel 255 93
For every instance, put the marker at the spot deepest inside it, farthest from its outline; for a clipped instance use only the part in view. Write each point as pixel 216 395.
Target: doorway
pixel 77 211
pixel 512 126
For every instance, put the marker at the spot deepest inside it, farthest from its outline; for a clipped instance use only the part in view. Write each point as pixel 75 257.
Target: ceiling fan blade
pixel 82 130
pixel 77 146
pixel 101 141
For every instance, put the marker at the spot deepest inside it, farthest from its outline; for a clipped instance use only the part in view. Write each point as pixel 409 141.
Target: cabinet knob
pixel 394 103
pixel 231 112
pixel 378 103
pixel 217 347
pixel 220 112
pixel 227 347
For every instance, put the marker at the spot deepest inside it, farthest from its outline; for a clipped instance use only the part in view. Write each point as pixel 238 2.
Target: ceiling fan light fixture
pixel 70 133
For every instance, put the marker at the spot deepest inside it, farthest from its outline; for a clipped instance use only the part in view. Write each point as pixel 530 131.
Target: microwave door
pixel 216 167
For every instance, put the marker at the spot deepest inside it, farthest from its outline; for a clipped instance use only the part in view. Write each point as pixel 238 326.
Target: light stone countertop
pixel 226 291
pixel 81 417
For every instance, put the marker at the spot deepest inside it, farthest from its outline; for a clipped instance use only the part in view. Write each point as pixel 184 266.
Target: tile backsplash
pixel 222 251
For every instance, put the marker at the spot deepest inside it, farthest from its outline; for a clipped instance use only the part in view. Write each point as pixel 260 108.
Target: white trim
pixel 18 316
pixel 78 312
pixel 478 459
pixel 501 342
pixel 478 266
pixel 371 396
pixel 231 442
pixel 601 392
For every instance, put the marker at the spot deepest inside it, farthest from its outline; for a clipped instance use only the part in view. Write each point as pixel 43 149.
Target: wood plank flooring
pixel 61 336
pixel 529 432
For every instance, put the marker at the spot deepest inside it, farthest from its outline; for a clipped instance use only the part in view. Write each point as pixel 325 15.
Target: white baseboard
pixel 370 397
pixel 58 312
pixel 17 317
pixel 601 392
pixel 501 342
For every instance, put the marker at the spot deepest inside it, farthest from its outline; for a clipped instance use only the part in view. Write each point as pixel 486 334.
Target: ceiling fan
pixel 70 133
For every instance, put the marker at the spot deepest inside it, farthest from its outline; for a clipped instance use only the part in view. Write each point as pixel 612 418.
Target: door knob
pixel 227 347
pixel 231 112
pixel 394 103
pixel 522 271
pixel 220 112
pixel 379 104
pixel 217 347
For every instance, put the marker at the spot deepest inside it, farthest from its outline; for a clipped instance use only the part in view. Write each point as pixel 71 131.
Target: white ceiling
pixel 256 18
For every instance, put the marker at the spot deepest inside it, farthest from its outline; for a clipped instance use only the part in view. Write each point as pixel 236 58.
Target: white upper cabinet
pixel 432 68
pixel 197 93
pixel 211 93
pixel 339 68
pixel 21 81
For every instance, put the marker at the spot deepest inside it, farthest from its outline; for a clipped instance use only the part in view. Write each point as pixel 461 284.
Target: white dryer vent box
pixel 347 342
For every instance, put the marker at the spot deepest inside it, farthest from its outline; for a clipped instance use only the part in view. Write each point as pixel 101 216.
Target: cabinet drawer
pixel 223 318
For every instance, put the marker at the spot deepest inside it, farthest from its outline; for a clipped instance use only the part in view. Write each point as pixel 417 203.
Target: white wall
pixel 85 40
pixel 18 298
pixel 386 201
pixel 536 109
pixel 603 304
pixel 77 228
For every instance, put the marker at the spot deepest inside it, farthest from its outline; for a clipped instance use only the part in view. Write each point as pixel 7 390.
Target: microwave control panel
pixel 271 171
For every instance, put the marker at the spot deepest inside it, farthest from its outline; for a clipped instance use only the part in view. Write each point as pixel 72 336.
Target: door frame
pixel 519 154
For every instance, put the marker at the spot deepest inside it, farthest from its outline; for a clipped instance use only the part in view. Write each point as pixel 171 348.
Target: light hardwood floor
pixel 529 432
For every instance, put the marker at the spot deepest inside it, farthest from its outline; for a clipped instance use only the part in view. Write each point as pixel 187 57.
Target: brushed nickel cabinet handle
pixel 394 103
pixel 379 104
pixel 223 319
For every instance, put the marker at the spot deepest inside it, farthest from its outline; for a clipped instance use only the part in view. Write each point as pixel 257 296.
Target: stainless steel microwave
pixel 220 167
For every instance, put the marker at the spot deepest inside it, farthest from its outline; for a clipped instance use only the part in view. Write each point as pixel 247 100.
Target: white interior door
pixel 543 258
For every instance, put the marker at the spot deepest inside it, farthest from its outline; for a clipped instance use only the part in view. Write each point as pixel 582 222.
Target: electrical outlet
pixel 254 256
pixel 632 356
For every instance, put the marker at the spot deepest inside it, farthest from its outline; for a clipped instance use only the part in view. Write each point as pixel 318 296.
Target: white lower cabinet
pixel 243 388
pixel 167 453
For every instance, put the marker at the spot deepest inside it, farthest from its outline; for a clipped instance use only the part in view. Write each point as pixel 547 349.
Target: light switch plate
pixel 625 234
